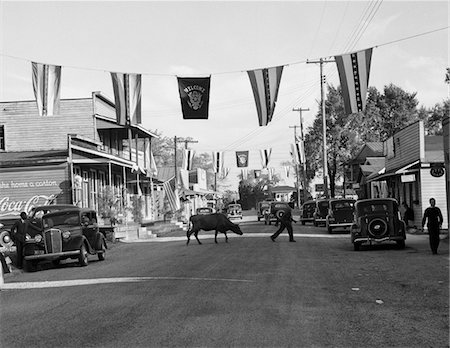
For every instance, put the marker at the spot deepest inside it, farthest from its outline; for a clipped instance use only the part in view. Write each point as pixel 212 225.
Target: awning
pixel 404 170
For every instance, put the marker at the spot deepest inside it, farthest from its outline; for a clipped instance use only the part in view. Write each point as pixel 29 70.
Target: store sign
pixel 408 178
pixel 437 171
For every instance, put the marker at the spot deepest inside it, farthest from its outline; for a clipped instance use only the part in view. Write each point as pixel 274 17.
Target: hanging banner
pixel 298 152
pixel 271 173
pixel 127 97
pixel 257 173
pixel 188 157
pixel 244 173
pixel 265 157
pixel 265 84
pixel 354 69
pixel 225 172
pixel 242 158
pixel 172 195
pixel 287 171
pixel 46 87
pixel 194 95
pixel 217 161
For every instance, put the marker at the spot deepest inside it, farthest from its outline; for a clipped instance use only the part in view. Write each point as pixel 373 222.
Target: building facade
pixel 79 157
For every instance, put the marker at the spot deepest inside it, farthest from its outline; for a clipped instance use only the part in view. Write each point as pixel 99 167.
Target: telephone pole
pixel 324 122
pixel 297 167
pixel 304 159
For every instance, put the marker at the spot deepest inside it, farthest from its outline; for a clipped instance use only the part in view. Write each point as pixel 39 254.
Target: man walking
pixel 285 222
pixel 434 216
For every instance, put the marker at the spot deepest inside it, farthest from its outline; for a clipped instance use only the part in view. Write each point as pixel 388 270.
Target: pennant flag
pixel 225 172
pixel 287 171
pixel 354 69
pixel 244 173
pixel 172 195
pixel 298 152
pixel 46 87
pixel 194 95
pixel 242 158
pixel 265 84
pixel 217 162
pixel 265 157
pixel 257 173
pixel 150 164
pixel 271 172
pixel 188 157
pixel 127 96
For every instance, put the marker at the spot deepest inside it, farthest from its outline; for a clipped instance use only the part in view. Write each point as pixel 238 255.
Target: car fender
pixel 75 243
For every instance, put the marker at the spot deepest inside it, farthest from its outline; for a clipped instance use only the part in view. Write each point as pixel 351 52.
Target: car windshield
pixel 342 205
pixel 67 218
pixel 264 205
pixel 234 206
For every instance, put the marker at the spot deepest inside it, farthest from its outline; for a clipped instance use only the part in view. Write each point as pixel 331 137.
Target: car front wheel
pixel 83 257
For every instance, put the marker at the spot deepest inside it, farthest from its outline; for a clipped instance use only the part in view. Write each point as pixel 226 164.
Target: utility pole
pixel 302 137
pixel 324 122
pixel 297 167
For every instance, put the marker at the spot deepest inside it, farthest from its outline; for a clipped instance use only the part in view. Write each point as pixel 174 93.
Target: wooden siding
pixel 409 146
pixel 23 188
pixel 104 108
pixel 25 130
pixel 432 187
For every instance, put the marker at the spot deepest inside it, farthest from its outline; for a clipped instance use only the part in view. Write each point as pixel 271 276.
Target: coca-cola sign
pixel 10 207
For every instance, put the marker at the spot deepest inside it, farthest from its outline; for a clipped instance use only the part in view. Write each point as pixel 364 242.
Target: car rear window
pixel 343 205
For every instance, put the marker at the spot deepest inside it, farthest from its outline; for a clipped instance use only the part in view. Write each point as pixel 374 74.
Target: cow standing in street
pixel 217 222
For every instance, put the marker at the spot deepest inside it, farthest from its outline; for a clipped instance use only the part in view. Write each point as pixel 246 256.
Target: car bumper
pixel 343 224
pixel 377 240
pixel 52 255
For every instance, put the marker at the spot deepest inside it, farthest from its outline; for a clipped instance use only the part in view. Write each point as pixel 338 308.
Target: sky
pixel 165 39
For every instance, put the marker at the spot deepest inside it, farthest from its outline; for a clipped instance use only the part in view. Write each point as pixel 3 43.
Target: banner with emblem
pixel 354 69
pixel 194 95
pixel 257 173
pixel 242 159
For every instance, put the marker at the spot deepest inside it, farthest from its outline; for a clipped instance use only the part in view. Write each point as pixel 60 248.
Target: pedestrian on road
pixel 285 222
pixel 18 232
pixel 408 215
pixel 434 216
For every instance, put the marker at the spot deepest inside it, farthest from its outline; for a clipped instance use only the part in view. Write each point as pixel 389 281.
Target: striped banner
pixel 172 195
pixel 244 173
pixel 217 161
pixel 354 69
pixel 225 172
pixel 46 87
pixel 271 173
pixel 188 157
pixel 298 152
pixel 287 171
pixel 265 157
pixel 265 84
pixel 127 96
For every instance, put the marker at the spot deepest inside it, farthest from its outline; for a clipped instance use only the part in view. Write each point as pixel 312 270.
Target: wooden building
pixel 71 157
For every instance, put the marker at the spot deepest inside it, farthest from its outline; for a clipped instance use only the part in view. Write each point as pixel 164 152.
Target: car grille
pixel 53 241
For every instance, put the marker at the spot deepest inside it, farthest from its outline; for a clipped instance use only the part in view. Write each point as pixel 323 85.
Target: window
pixel 2 137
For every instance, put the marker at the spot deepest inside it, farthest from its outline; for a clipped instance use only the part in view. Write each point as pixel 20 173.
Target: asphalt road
pixel 249 292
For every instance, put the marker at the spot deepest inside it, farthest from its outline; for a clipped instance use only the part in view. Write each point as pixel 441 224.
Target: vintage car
pixel 320 212
pixel 262 209
pixel 234 211
pixel 204 211
pixel 277 209
pixel 340 214
pixel 307 212
pixel 377 220
pixel 36 213
pixel 70 233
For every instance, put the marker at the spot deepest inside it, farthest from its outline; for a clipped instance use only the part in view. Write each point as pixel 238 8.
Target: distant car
pixel 377 220
pixel 277 209
pixel 204 211
pixel 307 212
pixel 340 213
pixel 70 233
pixel 321 211
pixel 262 209
pixel 234 211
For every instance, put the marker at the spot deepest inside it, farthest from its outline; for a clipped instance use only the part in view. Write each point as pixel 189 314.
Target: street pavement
pixel 249 292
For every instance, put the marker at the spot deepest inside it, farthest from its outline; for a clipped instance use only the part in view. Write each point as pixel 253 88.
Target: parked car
pixel 277 209
pixel 70 233
pixel 340 213
pixel 234 211
pixel 204 211
pixel 377 220
pixel 262 209
pixel 321 211
pixel 307 212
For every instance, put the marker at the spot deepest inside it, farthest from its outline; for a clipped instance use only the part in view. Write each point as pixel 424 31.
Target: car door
pixel 90 228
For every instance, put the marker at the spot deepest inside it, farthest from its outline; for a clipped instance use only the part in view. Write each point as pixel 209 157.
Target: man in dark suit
pixel 18 232
pixel 285 222
pixel 435 219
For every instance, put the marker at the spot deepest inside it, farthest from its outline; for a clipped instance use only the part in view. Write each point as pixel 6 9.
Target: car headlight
pixel 66 234
pixel 38 238
pixel 27 237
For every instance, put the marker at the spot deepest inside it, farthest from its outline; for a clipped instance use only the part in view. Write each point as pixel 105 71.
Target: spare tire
pixel 5 239
pixel 279 214
pixel 377 228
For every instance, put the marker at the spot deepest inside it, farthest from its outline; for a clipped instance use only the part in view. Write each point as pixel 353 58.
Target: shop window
pixel 2 137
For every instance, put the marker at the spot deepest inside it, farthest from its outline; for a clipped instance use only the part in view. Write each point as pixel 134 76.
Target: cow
pixel 217 222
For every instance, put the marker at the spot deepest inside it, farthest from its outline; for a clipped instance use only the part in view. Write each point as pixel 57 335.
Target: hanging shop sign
pixel 437 170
